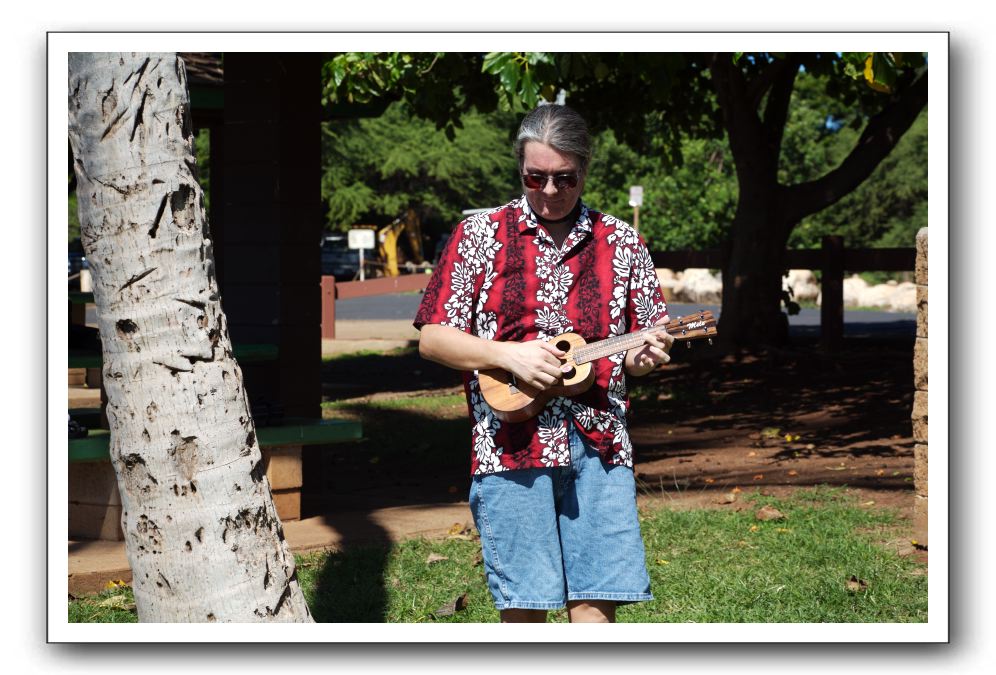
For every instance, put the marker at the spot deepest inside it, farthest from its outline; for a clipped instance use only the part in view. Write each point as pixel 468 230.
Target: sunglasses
pixel 562 181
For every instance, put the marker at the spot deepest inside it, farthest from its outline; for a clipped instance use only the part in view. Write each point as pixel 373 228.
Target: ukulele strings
pixel 612 345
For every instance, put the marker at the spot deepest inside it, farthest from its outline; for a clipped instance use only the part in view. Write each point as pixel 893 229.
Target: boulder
pixel 854 287
pixel 668 279
pixel 699 286
pixel 803 284
pixel 903 298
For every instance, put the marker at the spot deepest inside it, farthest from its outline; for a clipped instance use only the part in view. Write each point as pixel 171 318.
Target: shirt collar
pixel 527 221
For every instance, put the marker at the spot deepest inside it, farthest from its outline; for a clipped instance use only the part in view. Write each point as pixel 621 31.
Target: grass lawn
pixel 706 565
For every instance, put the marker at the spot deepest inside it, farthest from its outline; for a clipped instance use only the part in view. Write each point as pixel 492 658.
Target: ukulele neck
pixel 612 345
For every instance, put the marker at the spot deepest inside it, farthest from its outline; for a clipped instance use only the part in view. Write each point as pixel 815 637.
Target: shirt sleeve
pixel 646 301
pixel 449 295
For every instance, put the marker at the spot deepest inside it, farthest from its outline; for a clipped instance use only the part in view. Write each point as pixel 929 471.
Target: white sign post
pixel 361 239
pixel 636 201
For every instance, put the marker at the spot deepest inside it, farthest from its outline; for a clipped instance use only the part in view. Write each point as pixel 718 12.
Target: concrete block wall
pixel 920 396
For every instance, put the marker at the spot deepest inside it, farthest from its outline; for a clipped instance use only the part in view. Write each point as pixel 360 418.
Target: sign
pixel 361 238
pixel 636 195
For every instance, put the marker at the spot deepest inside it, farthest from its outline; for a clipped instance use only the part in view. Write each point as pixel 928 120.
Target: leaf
pixel 529 90
pixel 769 513
pixel 728 498
pixel 117 602
pixel 793 472
pixel 457 605
pixel 855 584
pixel 434 558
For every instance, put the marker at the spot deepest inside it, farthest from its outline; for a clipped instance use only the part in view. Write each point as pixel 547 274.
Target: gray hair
pixel 559 127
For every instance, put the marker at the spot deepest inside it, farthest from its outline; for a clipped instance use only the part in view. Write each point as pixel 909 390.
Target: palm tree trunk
pixel 203 538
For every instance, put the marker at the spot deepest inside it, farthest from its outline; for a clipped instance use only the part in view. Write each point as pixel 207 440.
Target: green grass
pixel 421 404
pixel 116 605
pixel 361 353
pixel 707 565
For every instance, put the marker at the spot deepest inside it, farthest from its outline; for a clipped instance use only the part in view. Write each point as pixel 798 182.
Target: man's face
pixel 549 202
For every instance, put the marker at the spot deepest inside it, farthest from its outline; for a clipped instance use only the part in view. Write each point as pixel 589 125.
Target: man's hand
pixel 536 362
pixel 641 360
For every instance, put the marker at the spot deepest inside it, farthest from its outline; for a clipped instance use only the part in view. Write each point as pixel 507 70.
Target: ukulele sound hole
pixel 564 346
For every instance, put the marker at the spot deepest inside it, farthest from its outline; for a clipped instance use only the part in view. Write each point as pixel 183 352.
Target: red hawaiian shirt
pixel 501 277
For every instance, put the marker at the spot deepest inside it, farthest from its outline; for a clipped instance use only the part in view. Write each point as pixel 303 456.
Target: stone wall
pixel 920 396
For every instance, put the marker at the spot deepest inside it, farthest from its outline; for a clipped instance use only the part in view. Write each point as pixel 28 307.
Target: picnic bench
pixel 94 500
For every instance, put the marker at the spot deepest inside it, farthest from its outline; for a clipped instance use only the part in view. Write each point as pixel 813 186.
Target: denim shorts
pixel 551 535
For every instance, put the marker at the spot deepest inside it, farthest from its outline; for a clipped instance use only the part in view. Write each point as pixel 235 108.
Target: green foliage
pixel 686 207
pixel 374 169
pixel 436 86
pixel 888 208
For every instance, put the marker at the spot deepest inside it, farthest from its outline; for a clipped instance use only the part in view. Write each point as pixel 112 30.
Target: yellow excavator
pixel 390 252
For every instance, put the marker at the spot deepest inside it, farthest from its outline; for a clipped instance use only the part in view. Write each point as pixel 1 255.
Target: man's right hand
pixel 536 362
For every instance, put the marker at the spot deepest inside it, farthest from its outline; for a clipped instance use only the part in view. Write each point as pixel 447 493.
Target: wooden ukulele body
pixel 514 401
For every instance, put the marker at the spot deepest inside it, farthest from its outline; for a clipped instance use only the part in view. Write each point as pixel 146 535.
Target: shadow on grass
pixel 405 458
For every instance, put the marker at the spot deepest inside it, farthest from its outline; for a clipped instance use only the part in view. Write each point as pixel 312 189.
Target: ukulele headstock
pixel 698 326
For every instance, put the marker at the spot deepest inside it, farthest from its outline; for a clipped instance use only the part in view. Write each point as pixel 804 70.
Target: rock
pixel 803 284
pixel 903 298
pixel 879 296
pixel 769 513
pixel 699 286
pixel 854 286
pixel 668 280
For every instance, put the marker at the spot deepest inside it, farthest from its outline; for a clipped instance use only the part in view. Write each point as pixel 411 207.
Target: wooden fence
pixel 832 259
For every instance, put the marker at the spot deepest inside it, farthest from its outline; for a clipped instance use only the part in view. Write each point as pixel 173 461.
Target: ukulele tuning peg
pixel 688 345
pixel 710 342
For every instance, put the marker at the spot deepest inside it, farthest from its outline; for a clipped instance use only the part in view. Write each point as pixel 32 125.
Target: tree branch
pixel 776 112
pixel 743 127
pixel 879 138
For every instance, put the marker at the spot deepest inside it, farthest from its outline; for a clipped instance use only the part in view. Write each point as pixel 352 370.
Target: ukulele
pixel 514 401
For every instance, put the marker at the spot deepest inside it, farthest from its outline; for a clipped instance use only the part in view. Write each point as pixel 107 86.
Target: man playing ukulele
pixel 553 496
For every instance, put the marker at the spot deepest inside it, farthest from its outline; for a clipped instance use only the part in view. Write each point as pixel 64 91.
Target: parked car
pixel 338 260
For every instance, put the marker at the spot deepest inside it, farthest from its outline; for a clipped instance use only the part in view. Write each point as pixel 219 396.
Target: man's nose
pixel 548 187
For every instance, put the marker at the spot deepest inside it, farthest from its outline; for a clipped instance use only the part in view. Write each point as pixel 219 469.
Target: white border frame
pixel 936 43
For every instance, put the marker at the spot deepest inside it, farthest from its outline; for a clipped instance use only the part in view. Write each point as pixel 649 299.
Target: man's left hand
pixel 641 360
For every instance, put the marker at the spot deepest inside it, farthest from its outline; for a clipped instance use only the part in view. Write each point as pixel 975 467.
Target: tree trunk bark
pixel 752 278
pixel 203 538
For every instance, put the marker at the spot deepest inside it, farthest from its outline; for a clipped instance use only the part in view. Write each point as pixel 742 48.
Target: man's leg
pixel 523 616
pixel 591 611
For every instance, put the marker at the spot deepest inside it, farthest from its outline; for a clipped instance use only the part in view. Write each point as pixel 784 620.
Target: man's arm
pixel 534 362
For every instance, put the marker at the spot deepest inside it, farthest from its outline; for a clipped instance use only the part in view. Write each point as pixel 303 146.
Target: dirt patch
pixel 701 427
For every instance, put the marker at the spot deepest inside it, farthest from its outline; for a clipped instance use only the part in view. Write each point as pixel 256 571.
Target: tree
pixel 203 538
pixel 670 97
pixel 375 169
pixel 754 99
